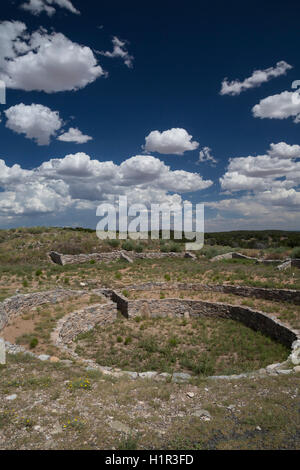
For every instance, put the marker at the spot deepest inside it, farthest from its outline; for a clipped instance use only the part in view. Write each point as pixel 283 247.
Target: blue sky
pixel 151 71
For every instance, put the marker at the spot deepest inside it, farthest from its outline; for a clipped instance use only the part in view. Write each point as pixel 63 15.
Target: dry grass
pixel 204 346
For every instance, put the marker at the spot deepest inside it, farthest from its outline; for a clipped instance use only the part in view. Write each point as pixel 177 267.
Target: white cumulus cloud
pixel 36 7
pixel 280 106
pixel 235 87
pixel 77 182
pixel 44 62
pixel 37 122
pixel 174 141
pixel 74 135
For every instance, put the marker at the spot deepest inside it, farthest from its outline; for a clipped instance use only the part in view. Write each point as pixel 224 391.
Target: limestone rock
pixel 44 357
pixel 54 359
pixel 2 352
pixel 285 265
pixel 125 258
pixel 147 375
pixel 295 357
pixel 120 427
pixel 180 377
pixel 202 414
pixel 11 397
pixel 190 255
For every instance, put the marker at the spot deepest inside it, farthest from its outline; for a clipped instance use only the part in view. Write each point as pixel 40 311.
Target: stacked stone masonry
pixel 70 326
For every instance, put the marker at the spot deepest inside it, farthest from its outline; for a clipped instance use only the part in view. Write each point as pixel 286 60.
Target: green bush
pixel 33 343
pixel 296 252
pixel 114 243
pixel 139 248
pixel 128 246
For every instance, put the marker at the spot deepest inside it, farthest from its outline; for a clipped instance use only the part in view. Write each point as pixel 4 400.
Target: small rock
pixel 54 359
pixel 284 371
pixel 2 352
pixel 126 258
pixel 44 357
pixel 147 375
pixel 295 357
pixel 180 377
pixel 190 255
pixel 258 428
pixel 202 414
pixel 296 344
pixel 297 369
pixel 273 366
pixel 11 397
pixel 190 394
pixel 120 427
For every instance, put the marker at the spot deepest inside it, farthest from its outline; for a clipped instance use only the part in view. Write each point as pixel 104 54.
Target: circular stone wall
pixel 77 322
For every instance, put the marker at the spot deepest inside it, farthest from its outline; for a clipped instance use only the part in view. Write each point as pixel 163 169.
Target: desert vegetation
pixel 65 404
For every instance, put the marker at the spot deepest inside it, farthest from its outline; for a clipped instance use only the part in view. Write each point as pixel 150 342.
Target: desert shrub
pixel 33 343
pixel 296 252
pixel 139 248
pixel 114 243
pixel 128 246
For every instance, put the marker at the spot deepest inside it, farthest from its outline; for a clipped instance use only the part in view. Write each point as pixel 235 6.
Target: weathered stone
pixel 203 414
pixel 295 357
pixel 163 376
pixel 44 357
pixel 125 257
pixel 190 255
pixel 180 377
pixel 2 352
pixel 147 375
pixel 284 371
pixel 62 260
pixel 274 366
pixel 297 369
pixel 54 359
pixel 11 397
pixel 120 427
pixel 285 265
